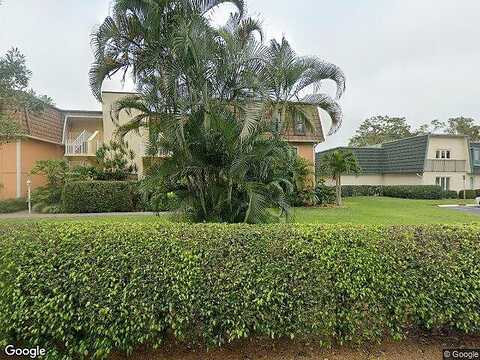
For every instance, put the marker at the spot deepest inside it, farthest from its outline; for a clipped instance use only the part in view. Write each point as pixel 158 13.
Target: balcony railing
pixel 85 144
pixel 445 165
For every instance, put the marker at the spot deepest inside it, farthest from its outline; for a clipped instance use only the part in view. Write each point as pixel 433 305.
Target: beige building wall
pixel 458 146
pixel 135 141
pixel 17 161
pixel 379 179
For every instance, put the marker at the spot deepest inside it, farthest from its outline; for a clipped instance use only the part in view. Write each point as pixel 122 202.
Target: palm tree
pixel 336 164
pixel 203 99
pixel 288 77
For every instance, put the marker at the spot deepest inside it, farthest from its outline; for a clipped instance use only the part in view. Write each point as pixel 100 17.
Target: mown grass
pixel 384 210
pixel 357 210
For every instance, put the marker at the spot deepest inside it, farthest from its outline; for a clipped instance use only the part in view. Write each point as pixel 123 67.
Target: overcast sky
pixel 414 58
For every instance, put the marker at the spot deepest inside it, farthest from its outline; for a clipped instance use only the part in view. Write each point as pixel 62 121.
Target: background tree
pixel 15 96
pixel 336 164
pixel 464 126
pixel 380 129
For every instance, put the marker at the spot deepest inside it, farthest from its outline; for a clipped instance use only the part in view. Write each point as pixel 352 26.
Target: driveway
pixel 25 215
pixel 468 209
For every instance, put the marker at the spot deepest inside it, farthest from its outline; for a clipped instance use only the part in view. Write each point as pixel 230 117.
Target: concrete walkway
pixel 25 215
pixel 467 209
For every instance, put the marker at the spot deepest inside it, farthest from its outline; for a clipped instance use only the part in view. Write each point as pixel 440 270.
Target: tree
pixel 287 76
pixel 114 161
pixel 336 164
pixel 380 129
pixel 203 99
pixel 464 126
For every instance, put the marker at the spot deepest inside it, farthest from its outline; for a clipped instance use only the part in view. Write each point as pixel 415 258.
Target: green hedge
pixel 470 194
pixel 100 196
pixel 13 205
pixel 91 289
pixel 399 191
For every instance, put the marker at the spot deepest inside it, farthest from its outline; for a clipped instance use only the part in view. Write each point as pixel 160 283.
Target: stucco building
pixel 450 161
pixel 76 136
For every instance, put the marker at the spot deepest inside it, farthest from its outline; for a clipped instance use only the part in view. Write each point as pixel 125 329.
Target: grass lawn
pixel 357 210
pixel 384 210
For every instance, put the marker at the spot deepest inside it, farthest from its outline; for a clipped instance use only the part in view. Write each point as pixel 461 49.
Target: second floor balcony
pixel 445 165
pixel 85 144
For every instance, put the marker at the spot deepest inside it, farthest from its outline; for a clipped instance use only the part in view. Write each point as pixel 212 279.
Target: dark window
pixel 299 124
pixel 276 123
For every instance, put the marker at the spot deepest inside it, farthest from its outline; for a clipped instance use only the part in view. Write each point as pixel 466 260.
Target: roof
pixel 399 156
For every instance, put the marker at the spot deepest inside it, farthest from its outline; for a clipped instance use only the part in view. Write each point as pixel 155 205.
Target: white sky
pixel 414 58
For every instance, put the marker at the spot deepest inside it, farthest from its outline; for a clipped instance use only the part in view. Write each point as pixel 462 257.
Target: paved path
pixel 467 209
pixel 25 215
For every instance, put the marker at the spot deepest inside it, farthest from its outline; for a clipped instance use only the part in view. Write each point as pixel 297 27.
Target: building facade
pixel 450 161
pixel 76 135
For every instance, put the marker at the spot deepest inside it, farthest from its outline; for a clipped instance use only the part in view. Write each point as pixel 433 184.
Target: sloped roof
pixel 400 156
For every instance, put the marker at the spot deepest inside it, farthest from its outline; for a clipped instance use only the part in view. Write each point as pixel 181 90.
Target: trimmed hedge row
pixel 13 205
pixel 86 290
pixel 470 194
pixel 399 191
pixel 100 196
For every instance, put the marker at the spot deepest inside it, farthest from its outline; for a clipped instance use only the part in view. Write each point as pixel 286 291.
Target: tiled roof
pixel 45 125
pixel 400 156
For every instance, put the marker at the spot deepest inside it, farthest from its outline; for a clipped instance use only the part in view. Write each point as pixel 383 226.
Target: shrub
pixel 450 194
pixel 100 196
pixel 13 205
pixel 413 191
pixel 470 194
pixel 325 195
pixel 362 190
pixel 90 289
pixel 399 191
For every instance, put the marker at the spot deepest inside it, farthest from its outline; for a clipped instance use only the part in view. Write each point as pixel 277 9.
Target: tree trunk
pixel 338 190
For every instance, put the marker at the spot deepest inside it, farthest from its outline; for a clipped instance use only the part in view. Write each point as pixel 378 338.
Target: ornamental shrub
pixel 470 194
pixel 13 205
pixel 399 191
pixel 86 290
pixel 100 196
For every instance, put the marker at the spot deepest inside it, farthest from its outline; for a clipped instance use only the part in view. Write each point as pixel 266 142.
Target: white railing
pixel 85 144
pixel 445 165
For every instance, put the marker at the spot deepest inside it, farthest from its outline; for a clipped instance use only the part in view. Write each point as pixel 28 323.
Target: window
pixel 442 154
pixel 444 182
pixel 472 183
pixel 299 124
pixel 476 157
pixel 295 150
pixel 276 123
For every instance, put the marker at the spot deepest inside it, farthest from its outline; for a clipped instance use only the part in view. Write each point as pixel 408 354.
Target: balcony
pixel 445 165
pixel 85 144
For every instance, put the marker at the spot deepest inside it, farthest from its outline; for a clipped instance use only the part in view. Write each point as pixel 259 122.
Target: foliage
pixel 206 97
pixel 413 191
pixel 47 199
pixel 9 130
pixel 114 161
pixel 100 196
pixel 337 163
pixel 324 195
pixel 469 194
pixel 464 126
pixel 13 205
pixel 14 79
pixel 381 129
pixel 91 289
pixel 399 191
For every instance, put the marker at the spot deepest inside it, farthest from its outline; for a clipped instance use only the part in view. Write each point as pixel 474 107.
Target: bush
pixel 413 191
pixel 470 194
pixel 325 195
pixel 362 190
pixel 399 191
pixel 91 289
pixel 100 196
pixel 13 205
pixel 450 194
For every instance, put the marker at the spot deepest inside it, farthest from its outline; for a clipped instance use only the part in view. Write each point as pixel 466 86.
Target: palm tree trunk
pixel 338 190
